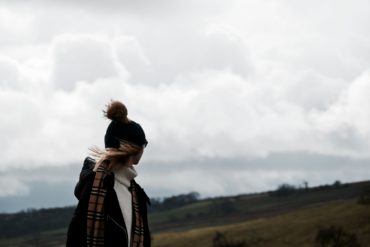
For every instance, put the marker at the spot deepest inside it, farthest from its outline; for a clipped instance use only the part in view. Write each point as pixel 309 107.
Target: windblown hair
pixel 125 150
pixel 116 111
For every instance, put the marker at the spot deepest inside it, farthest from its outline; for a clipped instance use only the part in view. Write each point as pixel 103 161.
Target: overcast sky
pixel 234 96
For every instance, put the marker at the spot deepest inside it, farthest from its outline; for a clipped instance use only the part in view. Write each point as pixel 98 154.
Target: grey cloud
pixel 12 187
pixel 41 195
pixel 161 59
pixel 232 176
pixel 78 58
pixel 39 188
pixel 9 73
pixel 53 186
pixel 132 55
pixel 159 6
pixel 148 10
pixel 346 122
pixel 311 90
pixel 20 118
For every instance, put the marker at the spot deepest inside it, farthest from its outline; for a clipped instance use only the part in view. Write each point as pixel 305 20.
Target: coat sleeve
pixel 76 234
pixel 86 171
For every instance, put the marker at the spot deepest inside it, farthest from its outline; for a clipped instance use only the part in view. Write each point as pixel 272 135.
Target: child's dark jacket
pixel 115 228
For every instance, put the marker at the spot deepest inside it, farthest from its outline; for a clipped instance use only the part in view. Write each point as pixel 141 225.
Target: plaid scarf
pixel 137 237
pixel 96 211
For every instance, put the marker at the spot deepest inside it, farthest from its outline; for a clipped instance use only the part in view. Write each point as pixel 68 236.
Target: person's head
pixel 124 134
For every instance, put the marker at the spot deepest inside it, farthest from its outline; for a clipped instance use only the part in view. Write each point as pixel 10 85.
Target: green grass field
pixel 230 210
pixel 296 228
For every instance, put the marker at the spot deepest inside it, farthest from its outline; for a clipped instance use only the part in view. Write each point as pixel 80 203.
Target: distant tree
pixel 284 190
pixel 305 185
pixel 335 236
pixel 337 184
pixel 155 201
pixel 158 204
pixel 155 204
pixel 180 200
pixel 194 196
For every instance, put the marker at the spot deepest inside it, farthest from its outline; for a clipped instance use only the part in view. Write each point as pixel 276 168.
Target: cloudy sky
pixel 234 96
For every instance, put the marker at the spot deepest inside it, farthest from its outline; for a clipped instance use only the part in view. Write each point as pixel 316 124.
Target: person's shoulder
pixel 87 168
pixel 86 177
pixel 89 163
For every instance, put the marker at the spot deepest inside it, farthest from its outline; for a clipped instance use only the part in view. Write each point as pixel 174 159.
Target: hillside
pixel 296 228
pixel 220 211
pixel 47 227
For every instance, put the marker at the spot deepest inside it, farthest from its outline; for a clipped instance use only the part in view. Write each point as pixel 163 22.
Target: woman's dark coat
pixel 115 228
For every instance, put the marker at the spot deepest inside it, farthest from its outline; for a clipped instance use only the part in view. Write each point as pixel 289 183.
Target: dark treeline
pixel 38 220
pixel 289 189
pixel 34 221
pixel 158 204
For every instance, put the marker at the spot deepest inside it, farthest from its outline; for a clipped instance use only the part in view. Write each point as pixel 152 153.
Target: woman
pixel 112 207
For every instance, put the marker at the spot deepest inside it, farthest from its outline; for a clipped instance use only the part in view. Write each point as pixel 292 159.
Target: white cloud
pixel 86 58
pixel 13 27
pixel 312 90
pixel 345 125
pixel 357 104
pixel 132 55
pixel 213 113
pixel 9 72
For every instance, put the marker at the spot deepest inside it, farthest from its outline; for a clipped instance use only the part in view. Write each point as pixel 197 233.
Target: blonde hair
pixel 125 150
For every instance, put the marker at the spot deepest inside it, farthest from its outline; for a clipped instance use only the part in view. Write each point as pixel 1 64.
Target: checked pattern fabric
pixel 95 210
pixel 96 213
pixel 137 239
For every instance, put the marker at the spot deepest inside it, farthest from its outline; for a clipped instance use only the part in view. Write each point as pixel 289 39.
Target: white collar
pixel 124 174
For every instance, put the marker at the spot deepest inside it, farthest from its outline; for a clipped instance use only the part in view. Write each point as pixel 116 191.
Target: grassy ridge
pixel 263 219
pixel 221 211
pixel 297 228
